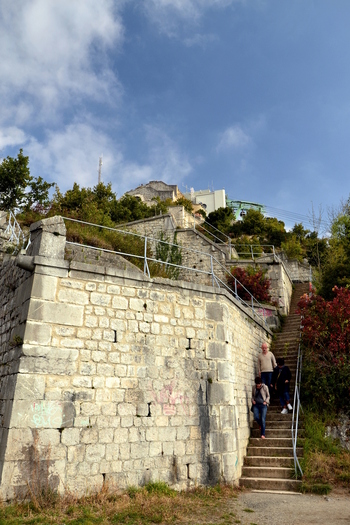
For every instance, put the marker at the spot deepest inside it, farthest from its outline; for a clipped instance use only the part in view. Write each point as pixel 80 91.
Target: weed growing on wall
pixel 170 254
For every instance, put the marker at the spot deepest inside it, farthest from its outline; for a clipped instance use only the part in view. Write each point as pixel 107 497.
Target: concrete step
pixel 272 484
pixel 273 451
pixel 276 432
pixel 276 424
pixel 268 461
pixel 267 472
pixel 271 442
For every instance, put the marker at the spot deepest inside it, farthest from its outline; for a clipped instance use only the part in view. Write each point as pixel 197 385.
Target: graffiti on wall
pixel 172 401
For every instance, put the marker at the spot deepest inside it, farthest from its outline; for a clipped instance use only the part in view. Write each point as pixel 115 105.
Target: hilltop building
pixel 156 188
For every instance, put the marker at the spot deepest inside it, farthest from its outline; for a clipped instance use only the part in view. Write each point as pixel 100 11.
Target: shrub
pixel 250 281
pixel 326 341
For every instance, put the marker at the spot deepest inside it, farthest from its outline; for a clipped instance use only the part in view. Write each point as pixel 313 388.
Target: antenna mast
pixel 99 169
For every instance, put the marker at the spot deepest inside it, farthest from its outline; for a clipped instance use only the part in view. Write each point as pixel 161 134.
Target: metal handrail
pixel 215 279
pixel 296 408
pixel 13 229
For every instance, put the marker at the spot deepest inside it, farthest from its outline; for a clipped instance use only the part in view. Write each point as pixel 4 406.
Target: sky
pixel 250 96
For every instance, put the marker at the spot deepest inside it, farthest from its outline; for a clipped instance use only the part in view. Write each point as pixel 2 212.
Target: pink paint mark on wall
pixel 172 401
pixel 265 312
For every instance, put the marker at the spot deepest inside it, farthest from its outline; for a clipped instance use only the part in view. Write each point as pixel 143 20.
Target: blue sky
pixel 252 96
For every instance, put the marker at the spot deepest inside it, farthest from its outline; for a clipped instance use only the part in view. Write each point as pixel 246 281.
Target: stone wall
pixel 123 378
pixel 281 284
pixel 199 254
pixel 299 272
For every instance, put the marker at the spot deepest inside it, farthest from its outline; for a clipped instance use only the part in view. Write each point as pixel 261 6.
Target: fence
pixel 211 268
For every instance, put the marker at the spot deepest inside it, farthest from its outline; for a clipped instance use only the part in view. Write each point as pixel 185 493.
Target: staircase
pixel 269 464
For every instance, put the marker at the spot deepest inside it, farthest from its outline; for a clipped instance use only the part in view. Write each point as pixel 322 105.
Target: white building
pixel 210 200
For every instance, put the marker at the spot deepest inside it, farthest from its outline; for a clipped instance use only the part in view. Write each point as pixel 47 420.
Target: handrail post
pixel 212 270
pixel 251 249
pixel 145 265
pixel 235 287
pixel 229 249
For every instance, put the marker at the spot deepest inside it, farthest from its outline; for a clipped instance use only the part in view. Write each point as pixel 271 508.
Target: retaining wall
pixel 119 377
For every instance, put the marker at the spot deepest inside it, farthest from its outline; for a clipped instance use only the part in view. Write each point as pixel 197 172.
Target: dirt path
pixel 284 509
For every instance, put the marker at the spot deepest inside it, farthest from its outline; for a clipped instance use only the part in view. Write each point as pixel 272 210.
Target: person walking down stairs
pixel 281 380
pixel 266 365
pixel 260 402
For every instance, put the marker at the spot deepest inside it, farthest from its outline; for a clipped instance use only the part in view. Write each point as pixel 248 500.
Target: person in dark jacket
pixel 281 379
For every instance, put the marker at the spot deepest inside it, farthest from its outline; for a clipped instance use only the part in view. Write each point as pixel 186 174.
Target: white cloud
pixel 170 14
pixel 11 136
pixel 233 138
pixel 49 53
pixel 72 155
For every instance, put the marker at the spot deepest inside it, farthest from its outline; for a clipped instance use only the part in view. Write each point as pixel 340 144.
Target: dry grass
pixel 155 503
pixel 332 469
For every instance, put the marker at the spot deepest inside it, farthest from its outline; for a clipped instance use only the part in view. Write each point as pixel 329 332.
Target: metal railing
pixel 254 250
pixel 252 303
pixel 296 409
pixel 13 232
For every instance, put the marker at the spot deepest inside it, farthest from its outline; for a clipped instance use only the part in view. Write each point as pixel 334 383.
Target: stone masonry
pixel 107 375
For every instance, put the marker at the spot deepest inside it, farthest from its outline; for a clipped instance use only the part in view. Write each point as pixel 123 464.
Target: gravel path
pixel 285 509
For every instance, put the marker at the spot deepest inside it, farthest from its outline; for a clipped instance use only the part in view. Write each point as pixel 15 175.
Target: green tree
pixel 253 223
pixel 221 219
pixel 14 179
pixel 335 270
pixel 38 195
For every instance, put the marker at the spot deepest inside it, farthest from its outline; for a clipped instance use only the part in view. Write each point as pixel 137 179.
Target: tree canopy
pixel 18 190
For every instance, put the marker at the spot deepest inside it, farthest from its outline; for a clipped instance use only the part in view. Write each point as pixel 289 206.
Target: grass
pixel 156 503
pixel 325 464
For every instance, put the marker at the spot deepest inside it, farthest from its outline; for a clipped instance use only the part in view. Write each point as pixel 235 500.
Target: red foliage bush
pixel 327 324
pixel 250 281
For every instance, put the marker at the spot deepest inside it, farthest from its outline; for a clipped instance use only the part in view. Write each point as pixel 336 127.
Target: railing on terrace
pixel 256 307
pixel 248 251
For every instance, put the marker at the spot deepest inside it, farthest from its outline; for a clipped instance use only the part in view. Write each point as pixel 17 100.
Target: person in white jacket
pixel 266 365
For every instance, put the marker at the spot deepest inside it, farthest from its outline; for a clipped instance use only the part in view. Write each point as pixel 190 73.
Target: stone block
pixel 120 302
pixel 221 394
pixel 29 387
pixel 42 414
pixel 67 295
pixel 37 333
pixel 70 437
pixel 112 451
pixel 167 434
pixel 139 450
pixel 100 299
pixel 221 442
pixel 126 409
pixel 55 313
pixel 95 453
pixel 121 435
pixel 48 237
pixel 214 312
pixel 226 371
pixel 227 418
pixel 216 350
